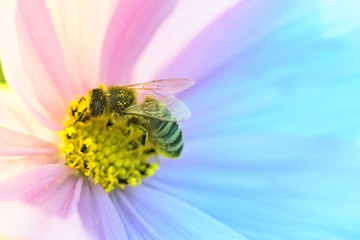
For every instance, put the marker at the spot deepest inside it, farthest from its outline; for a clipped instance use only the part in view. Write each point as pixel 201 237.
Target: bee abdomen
pixel 168 137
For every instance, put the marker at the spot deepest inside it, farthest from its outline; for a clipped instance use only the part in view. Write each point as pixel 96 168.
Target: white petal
pixel 21 221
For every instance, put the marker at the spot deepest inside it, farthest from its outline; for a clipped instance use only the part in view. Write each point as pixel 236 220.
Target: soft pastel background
pixel 2 79
pixel 272 149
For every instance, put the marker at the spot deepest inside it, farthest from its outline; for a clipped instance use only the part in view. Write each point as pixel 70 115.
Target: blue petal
pixel 279 68
pixel 270 187
pixel 272 147
pixel 135 225
pixel 156 215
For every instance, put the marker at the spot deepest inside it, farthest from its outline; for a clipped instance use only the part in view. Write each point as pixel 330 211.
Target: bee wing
pixel 170 85
pixel 167 109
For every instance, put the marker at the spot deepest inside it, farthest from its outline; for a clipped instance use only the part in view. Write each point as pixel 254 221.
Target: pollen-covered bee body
pixel 119 98
pixel 157 118
pixel 110 102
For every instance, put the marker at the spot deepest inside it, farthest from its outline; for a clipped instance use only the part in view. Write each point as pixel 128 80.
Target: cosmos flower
pixel 270 152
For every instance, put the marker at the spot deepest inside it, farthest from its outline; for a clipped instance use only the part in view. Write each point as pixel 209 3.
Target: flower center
pixel 114 153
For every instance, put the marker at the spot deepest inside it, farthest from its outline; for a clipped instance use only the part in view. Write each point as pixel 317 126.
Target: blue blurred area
pixel 282 119
pixel 300 79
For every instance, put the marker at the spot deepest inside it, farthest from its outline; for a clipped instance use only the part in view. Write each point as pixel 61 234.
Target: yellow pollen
pixel 88 141
pixel 73 104
pixel 132 181
pixel 113 156
pixel 46 188
pixel 70 130
pixel 69 148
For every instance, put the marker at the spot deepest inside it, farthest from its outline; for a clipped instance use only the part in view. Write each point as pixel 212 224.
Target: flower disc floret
pixel 115 155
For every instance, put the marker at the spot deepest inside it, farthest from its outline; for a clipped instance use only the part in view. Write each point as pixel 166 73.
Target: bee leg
pixel 144 137
pixel 80 116
pixel 109 124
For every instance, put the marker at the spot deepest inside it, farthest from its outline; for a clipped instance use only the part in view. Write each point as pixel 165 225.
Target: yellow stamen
pixel 113 156
pixel 69 131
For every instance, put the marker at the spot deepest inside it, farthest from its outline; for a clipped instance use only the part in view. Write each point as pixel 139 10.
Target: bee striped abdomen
pixel 168 137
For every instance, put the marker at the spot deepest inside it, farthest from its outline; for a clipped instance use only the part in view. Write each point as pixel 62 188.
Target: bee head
pixel 97 102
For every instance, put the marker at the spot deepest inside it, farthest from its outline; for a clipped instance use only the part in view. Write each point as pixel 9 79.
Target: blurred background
pixel 2 79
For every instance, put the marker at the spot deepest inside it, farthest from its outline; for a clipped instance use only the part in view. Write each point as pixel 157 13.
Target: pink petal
pixel 40 49
pixel 12 165
pixel 17 144
pixel 12 138
pixel 14 115
pixel 25 143
pixel 81 27
pixel 187 20
pixel 22 221
pixel 32 59
pixel 27 186
pixel 99 214
pixel 61 198
pixel 16 151
pixel 131 27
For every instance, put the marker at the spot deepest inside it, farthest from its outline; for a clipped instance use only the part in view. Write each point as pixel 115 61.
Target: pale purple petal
pixel 131 27
pixel 187 20
pixel 61 198
pixel 99 214
pixel 169 217
pixel 50 187
pixel 136 226
pixel 233 32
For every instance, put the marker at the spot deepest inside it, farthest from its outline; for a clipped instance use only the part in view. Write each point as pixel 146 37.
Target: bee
pixel 149 105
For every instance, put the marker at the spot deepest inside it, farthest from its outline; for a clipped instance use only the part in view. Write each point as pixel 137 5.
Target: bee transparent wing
pixel 167 109
pixel 170 85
